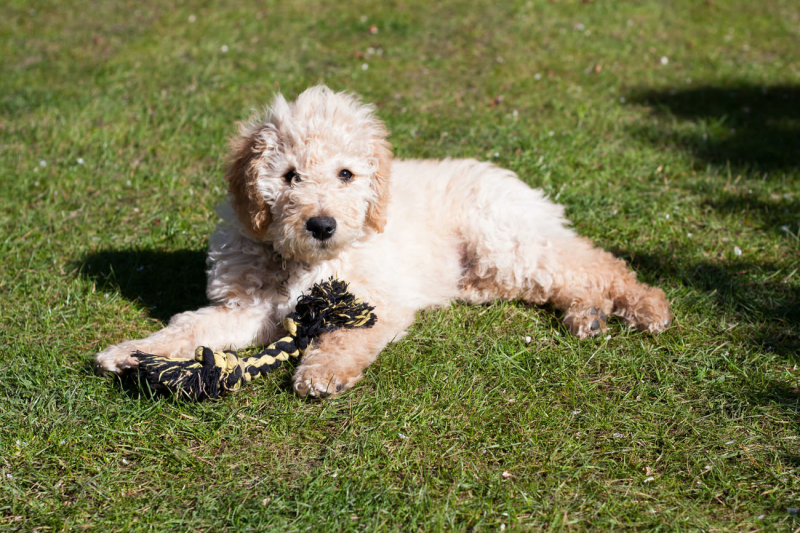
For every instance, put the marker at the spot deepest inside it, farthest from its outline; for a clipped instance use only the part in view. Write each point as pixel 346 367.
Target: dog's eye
pixel 345 175
pixel 291 176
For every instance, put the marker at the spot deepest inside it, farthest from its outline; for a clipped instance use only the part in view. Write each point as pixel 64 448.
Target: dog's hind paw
pixel 585 322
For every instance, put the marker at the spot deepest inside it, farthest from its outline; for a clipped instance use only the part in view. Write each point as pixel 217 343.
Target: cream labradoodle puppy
pixel 314 193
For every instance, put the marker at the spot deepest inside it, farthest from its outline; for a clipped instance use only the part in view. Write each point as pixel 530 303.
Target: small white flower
pixel 551 133
pixel 335 474
pixel 537 76
pixel 689 235
pixel 649 479
pixel 783 228
pixel 370 50
pixel 664 60
pixel 81 161
pixel 666 216
pixel 42 163
pixel 35 183
pixel 576 412
pixel 608 337
pixel 760 517
pixel 365 66
pixel 128 183
pixel 124 461
pixel 402 436
pixel 515 113
pixel 506 474
pixel 192 18
pixel 527 339
pixel 502 527
pixel 618 435
pixel 9 476
pixel 496 154
pixel 737 251
pixel 135 209
pixel 224 48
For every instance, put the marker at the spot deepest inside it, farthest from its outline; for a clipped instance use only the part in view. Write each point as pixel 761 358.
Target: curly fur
pixel 410 235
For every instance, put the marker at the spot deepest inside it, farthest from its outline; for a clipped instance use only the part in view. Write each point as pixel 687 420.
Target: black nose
pixel 321 227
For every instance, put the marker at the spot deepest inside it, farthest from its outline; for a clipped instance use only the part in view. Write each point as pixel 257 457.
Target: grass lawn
pixel 669 129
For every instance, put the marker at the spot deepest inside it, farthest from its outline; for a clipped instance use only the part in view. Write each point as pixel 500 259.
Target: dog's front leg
pixel 337 359
pixel 217 327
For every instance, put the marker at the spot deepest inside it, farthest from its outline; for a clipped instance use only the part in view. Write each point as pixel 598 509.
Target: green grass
pixel 462 425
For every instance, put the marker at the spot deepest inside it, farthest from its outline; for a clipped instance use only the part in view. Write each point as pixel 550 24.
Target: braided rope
pixel 210 374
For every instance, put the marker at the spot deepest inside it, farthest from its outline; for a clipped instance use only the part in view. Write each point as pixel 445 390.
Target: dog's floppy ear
pixel 376 213
pixel 242 175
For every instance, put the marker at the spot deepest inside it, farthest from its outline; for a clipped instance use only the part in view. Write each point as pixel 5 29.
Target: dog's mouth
pixel 309 250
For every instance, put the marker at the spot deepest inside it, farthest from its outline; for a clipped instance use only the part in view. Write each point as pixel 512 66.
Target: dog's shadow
pixel 163 282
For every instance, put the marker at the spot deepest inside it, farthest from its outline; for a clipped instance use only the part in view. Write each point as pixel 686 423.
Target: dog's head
pixel 311 177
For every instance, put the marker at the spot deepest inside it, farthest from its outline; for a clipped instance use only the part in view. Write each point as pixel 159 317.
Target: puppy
pixel 314 193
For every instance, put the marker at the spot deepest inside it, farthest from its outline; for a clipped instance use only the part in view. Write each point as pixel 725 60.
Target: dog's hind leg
pixel 516 245
pixel 590 283
pixel 586 283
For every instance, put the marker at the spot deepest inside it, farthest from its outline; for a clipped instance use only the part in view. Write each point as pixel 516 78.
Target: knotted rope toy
pixel 327 307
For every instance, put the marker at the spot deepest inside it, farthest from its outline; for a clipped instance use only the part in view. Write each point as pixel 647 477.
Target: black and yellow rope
pixel 210 374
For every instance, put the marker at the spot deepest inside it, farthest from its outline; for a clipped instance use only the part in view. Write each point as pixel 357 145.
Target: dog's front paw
pixel 116 359
pixel 320 381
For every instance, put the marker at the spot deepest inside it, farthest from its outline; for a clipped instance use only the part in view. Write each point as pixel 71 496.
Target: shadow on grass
pixel 769 307
pixel 755 131
pixel 767 312
pixel 751 126
pixel 774 215
pixel 165 283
